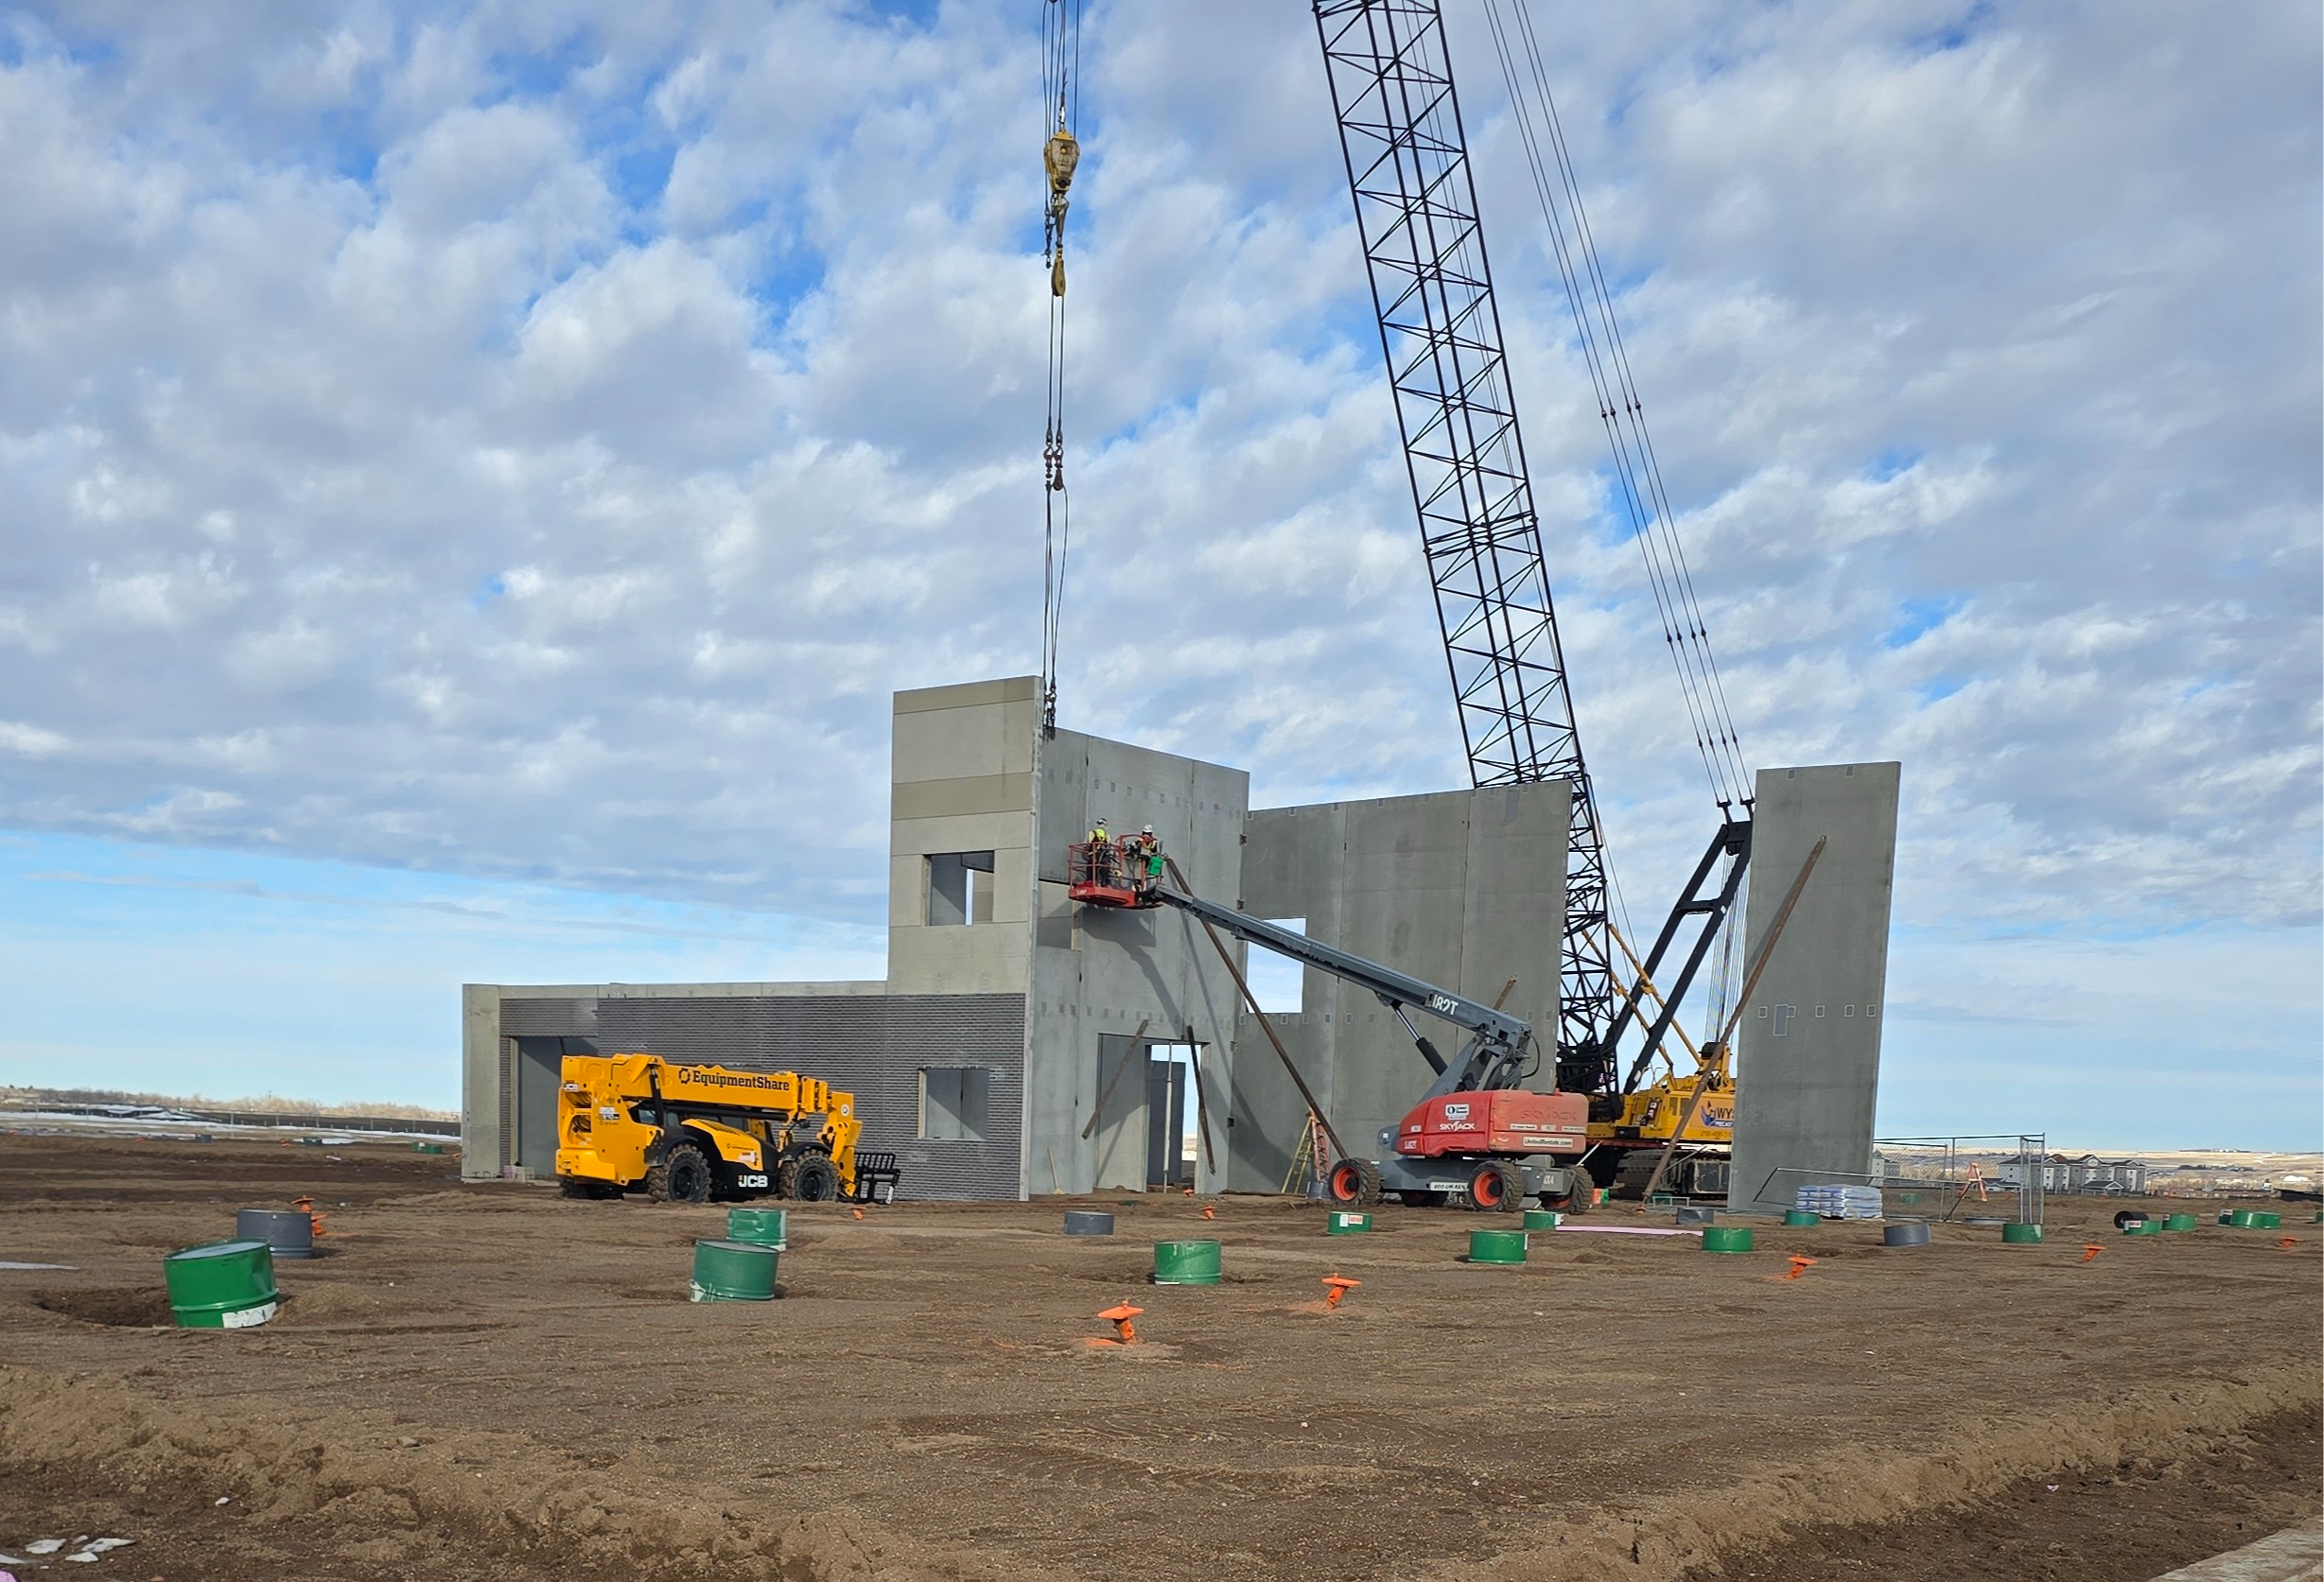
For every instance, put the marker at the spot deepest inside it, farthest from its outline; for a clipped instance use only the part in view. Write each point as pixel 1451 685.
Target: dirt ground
pixel 489 1381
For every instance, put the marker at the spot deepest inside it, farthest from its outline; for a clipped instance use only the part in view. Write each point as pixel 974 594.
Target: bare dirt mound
pixel 412 1506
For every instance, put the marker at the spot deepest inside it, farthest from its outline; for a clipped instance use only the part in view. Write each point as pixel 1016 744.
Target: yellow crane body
pixel 690 1134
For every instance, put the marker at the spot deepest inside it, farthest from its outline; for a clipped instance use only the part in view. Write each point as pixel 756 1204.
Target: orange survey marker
pixel 857 1212
pixel 2090 1250
pixel 2287 1243
pixel 1800 1264
pixel 1210 1211
pixel 1120 1316
pixel 1335 1288
pixel 314 1221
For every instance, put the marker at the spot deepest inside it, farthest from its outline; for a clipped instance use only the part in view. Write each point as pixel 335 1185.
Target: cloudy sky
pixel 470 475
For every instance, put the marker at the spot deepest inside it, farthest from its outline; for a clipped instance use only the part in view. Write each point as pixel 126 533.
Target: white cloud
pixel 533 441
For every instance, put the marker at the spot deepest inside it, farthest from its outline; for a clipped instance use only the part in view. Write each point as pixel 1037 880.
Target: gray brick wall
pixel 871 1046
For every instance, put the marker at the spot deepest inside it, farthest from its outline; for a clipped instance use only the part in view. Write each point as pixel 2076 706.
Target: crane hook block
pixel 1060 154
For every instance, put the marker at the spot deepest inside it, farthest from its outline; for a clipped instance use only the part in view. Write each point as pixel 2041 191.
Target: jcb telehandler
pixel 688 1134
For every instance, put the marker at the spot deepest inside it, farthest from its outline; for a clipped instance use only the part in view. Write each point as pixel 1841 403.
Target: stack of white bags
pixel 1841 1202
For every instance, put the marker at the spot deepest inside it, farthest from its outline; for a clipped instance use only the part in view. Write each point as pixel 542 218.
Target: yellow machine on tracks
pixel 1626 1146
pixel 688 1133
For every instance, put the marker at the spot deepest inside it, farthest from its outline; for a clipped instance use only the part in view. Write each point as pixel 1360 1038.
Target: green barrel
pixel 1497 1247
pixel 760 1227
pixel 1802 1216
pixel 2178 1222
pixel 1346 1222
pixel 1727 1238
pixel 734 1271
pixel 2243 1219
pixel 1186 1263
pixel 2143 1227
pixel 1542 1219
pixel 427 1148
pixel 227 1285
pixel 2020 1233
pixel 2265 1221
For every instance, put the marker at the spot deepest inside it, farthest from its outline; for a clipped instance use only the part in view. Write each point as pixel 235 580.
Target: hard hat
pixel 1148 831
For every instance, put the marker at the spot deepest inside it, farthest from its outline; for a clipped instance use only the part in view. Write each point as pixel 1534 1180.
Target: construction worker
pixel 1101 854
pixel 1150 860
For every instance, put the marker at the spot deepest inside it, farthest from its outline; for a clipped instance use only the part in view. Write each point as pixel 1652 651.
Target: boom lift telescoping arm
pixel 1494 1056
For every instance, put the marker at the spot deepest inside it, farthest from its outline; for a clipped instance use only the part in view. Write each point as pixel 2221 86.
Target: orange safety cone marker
pixel 1120 1316
pixel 1800 1263
pixel 1335 1288
pixel 314 1221
pixel 1210 1212
pixel 857 1212
pixel 2287 1243
pixel 2090 1250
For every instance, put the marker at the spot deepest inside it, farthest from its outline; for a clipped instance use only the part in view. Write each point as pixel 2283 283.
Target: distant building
pixel 2089 1175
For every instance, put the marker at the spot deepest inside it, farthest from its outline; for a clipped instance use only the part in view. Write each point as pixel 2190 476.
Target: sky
pixel 471 474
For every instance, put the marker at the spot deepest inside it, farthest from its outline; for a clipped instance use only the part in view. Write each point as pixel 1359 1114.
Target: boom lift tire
pixel 816 1180
pixel 1496 1188
pixel 683 1176
pixel 1573 1201
pixel 1354 1181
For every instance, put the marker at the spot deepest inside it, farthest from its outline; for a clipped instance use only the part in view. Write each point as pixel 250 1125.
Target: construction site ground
pixel 490 1381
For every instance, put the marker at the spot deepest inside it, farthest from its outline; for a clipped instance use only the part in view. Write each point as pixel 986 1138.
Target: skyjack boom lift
pixel 1476 1135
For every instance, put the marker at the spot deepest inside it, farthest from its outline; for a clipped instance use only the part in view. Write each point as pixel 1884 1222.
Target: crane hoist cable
pixel 1060 157
pixel 1637 471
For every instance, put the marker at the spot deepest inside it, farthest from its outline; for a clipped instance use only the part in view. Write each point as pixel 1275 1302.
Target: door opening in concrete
pixel 959 888
pixel 1171 1112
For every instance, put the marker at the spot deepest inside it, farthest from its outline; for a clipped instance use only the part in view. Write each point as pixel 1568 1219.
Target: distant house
pixel 2090 1175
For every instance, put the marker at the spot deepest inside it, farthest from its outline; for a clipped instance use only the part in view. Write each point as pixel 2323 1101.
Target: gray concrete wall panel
pixel 1807 1056
pixel 1466 889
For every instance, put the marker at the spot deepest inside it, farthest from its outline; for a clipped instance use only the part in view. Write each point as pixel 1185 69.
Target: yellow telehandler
pixel 688 1133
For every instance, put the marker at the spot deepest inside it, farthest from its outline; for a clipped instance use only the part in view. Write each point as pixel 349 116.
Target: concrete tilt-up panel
pixel 1463 889
pixel 1808 1066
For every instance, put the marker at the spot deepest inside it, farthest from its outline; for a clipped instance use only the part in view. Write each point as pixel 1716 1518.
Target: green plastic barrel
pixel 1346 1222
pixel 2143 1227
pixel 1802 1216
pixel 1542 1219
pixel 1727 1238
pixel 2243 1219
pixel 427 1148
pixel 2020 1233
pixel 2266 1221
pixel 1186 1263
pixel 760 1227
pixel 226 1285
pixel 2178 1222
pixel 734 1271
pixel 1497 1247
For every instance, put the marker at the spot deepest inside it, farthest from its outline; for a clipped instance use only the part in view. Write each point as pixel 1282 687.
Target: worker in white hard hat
pixel 1146 861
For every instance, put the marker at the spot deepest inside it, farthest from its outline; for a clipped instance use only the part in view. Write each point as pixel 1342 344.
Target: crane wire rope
pixel 1060 156
pixel 1637 469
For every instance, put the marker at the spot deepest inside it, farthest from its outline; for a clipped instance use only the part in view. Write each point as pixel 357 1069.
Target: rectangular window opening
pixel 959 888
pixel 1278 982
pixel 952 1100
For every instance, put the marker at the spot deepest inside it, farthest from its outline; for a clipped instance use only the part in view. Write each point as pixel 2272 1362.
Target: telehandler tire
pixel 817 1180
pixel 683 1176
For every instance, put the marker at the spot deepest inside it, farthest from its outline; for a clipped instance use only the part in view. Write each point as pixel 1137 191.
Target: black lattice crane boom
pixel 1432 287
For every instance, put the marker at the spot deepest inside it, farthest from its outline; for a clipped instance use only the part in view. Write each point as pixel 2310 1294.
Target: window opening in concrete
pixel 1277 983
pixel 956 893
pixel 952 1101
pixel 1782 1020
